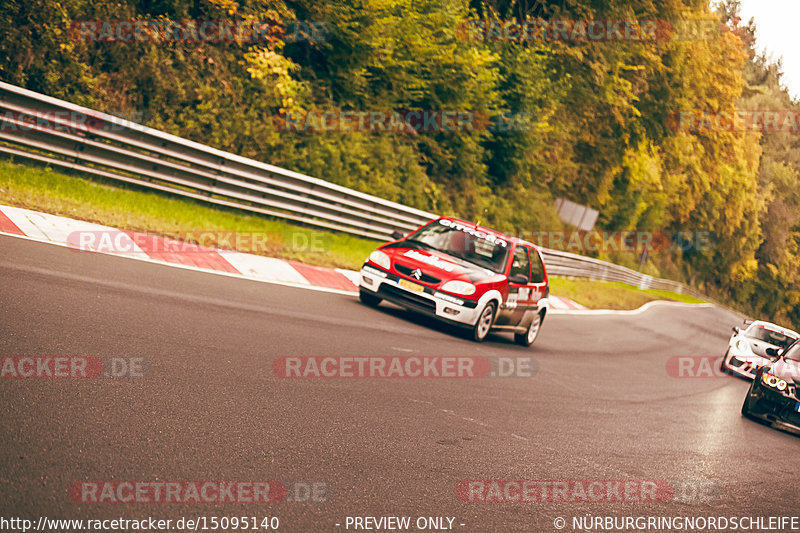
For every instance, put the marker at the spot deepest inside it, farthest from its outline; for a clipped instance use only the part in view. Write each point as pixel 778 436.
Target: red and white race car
pixel 465 274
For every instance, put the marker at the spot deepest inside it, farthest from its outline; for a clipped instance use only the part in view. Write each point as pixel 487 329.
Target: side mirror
pixel 519 279
pixel 735 330
pixel 397 235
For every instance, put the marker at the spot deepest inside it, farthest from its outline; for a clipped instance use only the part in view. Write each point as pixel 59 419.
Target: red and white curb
pixel 564 304
pixel 67 232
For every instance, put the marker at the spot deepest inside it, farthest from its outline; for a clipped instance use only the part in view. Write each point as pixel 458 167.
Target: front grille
pixel 791 416
pixel 394 294
pixel 426 278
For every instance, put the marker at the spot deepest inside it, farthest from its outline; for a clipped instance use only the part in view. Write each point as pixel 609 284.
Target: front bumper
pixel 744 365
pixel 387 285
pixel 773 407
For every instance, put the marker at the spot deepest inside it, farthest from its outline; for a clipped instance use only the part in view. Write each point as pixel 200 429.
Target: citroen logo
pixel 417 273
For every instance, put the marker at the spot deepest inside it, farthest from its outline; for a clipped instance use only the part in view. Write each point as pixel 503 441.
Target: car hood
pixel 788 371
pixel 436 263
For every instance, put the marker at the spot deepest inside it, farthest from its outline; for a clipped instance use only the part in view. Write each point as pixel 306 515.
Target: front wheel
pixel 484 324
pixel 746 406
pixel 527 338
pixel 368 299
pixel 722 366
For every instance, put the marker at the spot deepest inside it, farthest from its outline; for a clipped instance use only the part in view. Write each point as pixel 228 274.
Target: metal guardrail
pixel 59 133
pixel 573 265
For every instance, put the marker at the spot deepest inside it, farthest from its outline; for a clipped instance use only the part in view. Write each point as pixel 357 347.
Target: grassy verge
pixel 611 295
pixel 43 189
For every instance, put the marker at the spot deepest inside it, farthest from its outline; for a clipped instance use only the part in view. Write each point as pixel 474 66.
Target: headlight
pixel 459 287
pixel 772 381
pixel 381 259
pixel 741 345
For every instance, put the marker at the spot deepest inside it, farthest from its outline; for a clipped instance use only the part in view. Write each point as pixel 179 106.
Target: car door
pixel 513 309
pixel 538 280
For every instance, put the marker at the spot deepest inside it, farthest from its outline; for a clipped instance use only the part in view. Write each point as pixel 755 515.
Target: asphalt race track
pixel 602 405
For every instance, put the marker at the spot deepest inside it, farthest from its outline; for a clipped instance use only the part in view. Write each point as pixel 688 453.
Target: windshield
pixel 464 242
pixel 767 335
pixel 794 353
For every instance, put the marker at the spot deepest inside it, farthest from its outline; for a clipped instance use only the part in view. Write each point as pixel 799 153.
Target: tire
pixel 530 336
pixel 746 405
pixel 722 363
pixel 369 299
pixel 746 408
pixel 484 323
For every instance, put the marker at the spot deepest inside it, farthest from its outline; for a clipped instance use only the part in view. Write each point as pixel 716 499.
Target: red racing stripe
pixel 6 226
pixel 323 277
pixel 181 253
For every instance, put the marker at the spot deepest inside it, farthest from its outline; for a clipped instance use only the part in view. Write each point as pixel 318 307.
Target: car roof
pixel 508 238
pixel 775 327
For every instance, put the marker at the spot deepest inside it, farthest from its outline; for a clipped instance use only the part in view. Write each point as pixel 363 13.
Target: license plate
pixel 411 286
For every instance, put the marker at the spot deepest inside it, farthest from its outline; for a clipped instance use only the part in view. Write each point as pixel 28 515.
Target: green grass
pixel 43 189
pixel 611 295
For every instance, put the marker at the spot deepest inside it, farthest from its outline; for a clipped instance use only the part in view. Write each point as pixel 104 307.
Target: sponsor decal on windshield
pixel 474 232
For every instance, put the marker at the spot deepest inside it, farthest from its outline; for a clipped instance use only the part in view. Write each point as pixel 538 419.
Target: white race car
pixel 758 345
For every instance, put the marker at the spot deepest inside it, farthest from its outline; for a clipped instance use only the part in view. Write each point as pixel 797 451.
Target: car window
pixel 793 354
pixel 767 335
pixel 521 265
pixel 480 248
pixel 537 269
